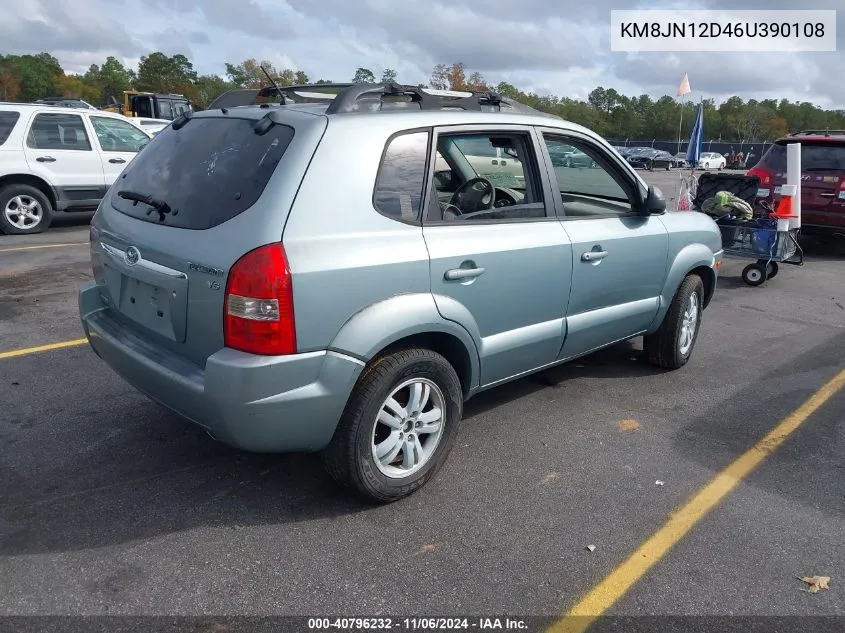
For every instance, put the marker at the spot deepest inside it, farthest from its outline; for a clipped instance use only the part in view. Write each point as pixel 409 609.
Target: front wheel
pixel 398 426
pixel 671 346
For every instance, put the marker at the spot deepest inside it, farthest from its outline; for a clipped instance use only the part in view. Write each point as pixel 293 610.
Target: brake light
pixel 764 176
pixel 258 316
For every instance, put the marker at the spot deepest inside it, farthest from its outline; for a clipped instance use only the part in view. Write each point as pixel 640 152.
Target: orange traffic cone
pixel 784 209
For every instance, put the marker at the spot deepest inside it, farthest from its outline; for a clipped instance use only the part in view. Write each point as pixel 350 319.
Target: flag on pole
pixel 684 88
pixel 696 137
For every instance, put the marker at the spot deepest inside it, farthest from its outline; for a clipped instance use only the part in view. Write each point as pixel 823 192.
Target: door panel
pixel 619 257
pixel 615 295
pixel 516 293
pixel 502 273
pixel 58 148
pixel 119 142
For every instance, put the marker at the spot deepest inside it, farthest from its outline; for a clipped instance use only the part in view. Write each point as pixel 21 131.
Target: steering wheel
pixel 476 194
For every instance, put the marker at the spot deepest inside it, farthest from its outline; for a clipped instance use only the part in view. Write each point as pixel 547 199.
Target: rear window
pixel 7 124
pixel 207 172
pixel 820 156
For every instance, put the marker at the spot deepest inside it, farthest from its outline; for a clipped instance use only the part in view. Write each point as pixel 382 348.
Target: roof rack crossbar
pixel 372 96
pixel 820 132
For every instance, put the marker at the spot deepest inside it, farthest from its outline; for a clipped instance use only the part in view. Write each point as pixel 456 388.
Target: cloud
pixel 537 45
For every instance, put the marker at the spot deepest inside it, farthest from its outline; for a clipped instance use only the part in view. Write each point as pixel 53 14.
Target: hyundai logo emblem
pixel 132 256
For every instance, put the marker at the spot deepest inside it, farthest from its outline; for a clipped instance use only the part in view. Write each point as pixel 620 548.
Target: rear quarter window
pixel 820 156
pixel 208 171
pixel 7 124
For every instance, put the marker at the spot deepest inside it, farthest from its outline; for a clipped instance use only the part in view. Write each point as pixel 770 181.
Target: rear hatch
pixel 192 202
pixel 822 178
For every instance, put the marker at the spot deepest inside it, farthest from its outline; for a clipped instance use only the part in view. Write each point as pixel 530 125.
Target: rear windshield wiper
pixel 155 205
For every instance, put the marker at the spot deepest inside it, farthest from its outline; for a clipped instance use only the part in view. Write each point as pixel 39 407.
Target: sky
pixel 545 46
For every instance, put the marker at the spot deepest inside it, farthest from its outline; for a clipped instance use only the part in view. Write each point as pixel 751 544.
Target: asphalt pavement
pixel 111 505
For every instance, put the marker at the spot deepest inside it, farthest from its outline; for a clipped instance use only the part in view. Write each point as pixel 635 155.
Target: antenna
pixel 275 85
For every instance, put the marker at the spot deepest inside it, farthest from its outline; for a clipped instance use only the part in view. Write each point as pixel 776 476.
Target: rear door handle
pixel 593 256
pixel 116 160
pixel 494 162
pixel 463 273
pixel 46 159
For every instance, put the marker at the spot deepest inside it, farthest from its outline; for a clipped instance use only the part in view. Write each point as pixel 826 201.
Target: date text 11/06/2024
pixel 643 30
pixel 415 624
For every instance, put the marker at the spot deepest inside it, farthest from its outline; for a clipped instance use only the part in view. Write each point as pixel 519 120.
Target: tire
pixel 755 274
pixel 11 198
pixel 772 270
pixel 350 458
pixel 672 345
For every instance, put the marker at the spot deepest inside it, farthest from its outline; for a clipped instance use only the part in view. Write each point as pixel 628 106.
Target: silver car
pixel 257 278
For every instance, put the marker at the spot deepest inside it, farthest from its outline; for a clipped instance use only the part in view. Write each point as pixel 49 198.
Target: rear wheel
pixel 671 346
pixel 755 274
pixel 772 270
pixel 398 426
pixel 24 210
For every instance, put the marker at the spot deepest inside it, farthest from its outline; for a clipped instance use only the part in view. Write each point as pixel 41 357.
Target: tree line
pixel 611 114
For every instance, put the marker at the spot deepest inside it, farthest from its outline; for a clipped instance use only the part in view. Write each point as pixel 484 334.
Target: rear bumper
pixel 255 403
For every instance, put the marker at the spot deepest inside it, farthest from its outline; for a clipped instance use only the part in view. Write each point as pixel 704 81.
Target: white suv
pixel 53 159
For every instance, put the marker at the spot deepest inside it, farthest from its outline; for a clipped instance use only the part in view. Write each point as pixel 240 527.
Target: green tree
pixel 32 77
pixel 110 79
pixel 364 76
pixel 208 88
pixel 159 73
pixel 388 76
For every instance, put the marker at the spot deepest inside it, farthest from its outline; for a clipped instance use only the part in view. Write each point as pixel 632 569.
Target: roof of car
pixel 814 135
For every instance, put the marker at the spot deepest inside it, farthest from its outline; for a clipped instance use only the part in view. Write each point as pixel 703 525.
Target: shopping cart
pixel 760 240
pixel 757 239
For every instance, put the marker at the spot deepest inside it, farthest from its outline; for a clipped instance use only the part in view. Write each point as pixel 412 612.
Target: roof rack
pixel 819 132
pixel 375 97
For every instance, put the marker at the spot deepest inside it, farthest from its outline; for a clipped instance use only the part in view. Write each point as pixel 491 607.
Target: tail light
pixel 258 315
pixel 96 252
pixel 764 176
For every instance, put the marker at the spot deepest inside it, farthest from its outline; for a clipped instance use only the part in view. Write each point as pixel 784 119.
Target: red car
pixel 822 179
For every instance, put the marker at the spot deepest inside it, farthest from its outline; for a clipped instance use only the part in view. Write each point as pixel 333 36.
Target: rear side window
pixel 208 171
pixel 58 131
pixel 401 176
pixel 7 124
pixel 821 156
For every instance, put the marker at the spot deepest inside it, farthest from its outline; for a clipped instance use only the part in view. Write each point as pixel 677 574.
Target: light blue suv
pixel 333 273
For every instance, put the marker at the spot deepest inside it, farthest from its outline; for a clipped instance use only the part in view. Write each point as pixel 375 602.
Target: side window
pixel 401 176
pixel 118 136
pixel 7 124
pixel 164 110
pixel 486 176
pixel 587 187
pixel 58 131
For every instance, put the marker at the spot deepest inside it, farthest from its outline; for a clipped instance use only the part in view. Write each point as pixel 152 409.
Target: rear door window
pixel 58 131
pixel 208 171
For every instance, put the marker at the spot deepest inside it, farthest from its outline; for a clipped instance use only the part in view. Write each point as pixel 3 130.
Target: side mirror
pixel 654 203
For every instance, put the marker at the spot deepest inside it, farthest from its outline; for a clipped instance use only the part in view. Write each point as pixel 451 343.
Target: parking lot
pixel 111 505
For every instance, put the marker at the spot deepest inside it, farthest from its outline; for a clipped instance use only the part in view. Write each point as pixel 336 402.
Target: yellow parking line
pixel 604 595
pixel 32 248
pixel 26 351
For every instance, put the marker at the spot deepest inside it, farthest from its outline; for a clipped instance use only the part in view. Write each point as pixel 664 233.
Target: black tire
pixel 772 270
pixel 8 193
pixel 755 274
pixel 663 348
pixel 349 457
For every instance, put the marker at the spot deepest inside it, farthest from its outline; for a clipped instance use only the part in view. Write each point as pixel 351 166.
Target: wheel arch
pixel 410 320
pixel 695 259
pixel 33 181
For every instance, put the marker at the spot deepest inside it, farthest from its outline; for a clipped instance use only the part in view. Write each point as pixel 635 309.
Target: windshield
pixel 206 172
